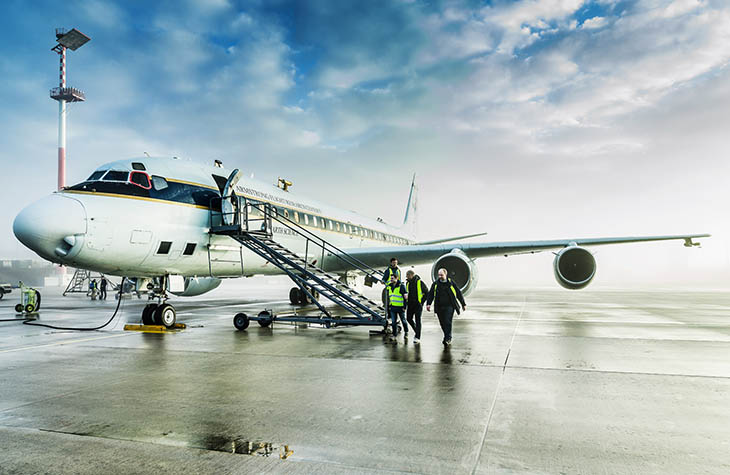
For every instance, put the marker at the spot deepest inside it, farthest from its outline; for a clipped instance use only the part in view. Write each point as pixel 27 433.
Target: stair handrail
pixel 339 253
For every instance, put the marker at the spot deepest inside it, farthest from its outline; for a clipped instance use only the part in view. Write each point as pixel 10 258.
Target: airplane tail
pixel 410 219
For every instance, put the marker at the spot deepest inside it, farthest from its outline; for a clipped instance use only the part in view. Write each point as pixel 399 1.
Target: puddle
pixel 244 447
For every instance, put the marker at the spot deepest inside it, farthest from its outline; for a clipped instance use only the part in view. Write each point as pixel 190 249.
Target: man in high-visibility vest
pixel 393 270
pixel 446 297
pixel 396 304
pixel 417 291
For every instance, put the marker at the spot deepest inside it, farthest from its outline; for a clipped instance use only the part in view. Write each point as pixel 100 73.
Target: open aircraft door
pixel 225 256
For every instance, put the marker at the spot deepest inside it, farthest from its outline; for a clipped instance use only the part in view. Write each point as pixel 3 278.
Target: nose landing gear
pixel 160 313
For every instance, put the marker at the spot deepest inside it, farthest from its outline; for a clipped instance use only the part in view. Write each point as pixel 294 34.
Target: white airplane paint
pixel 150 217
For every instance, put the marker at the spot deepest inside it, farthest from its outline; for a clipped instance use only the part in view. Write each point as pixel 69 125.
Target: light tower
pixel 72 40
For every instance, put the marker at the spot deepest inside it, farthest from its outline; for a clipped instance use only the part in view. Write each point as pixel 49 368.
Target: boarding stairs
pixel 251 223
pixel 79 283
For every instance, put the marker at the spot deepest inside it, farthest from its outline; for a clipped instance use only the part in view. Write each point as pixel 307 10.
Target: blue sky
pixel 528 119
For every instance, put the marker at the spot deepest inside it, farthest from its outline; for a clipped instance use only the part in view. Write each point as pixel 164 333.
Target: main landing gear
pixel 298 297
pixel 160 313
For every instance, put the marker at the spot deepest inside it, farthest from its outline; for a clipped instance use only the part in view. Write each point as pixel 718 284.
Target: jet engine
pixel 197 286
pixel 574 267
pixel 461 270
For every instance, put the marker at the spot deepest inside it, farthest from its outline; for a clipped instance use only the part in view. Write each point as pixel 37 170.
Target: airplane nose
pixel 52 226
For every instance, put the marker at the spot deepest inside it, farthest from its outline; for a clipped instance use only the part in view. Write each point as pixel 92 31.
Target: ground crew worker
pixel 102 288
pixel 397 304
pixel 446 298
pixel 417 291
pixel 92 289
pixel 392 270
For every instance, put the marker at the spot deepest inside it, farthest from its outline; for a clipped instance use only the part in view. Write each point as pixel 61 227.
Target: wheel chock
pixel 154 328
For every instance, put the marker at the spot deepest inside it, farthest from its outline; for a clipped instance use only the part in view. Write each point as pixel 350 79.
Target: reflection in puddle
pixel 244 447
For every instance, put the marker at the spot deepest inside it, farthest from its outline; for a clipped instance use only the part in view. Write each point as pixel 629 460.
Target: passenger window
pixel 96 175
pixel 159 183
pixel 116 175
pixel 189 249
pixel 140 179
pixel 164 247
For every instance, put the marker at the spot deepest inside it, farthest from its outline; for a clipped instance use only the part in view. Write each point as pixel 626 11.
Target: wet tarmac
pixel 536 381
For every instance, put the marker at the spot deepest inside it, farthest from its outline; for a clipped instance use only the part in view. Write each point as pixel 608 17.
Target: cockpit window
pixel 159 183
pixel 138 166
pixel 116 175
pixel 140 179
pixel 96 175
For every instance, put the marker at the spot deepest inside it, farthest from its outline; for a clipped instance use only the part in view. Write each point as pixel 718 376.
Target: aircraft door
pixel 227 205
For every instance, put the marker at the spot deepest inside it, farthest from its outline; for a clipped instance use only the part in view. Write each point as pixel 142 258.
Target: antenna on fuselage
pixel 283 184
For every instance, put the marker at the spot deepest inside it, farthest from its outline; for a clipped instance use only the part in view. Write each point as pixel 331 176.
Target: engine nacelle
pixel 574 267
pixel 461 270
pixel 197 286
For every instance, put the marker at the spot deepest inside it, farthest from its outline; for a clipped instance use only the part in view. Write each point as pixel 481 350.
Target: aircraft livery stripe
pixel 131 197
pixel 214 188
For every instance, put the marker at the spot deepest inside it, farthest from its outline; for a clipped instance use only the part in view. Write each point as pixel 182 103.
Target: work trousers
pixel 415 311
pixel 446 317
pixel 396 312
pixel 102 294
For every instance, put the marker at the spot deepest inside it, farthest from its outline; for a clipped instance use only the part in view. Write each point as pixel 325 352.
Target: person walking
pixel 102 288
pixel 446 298
pixel 397 304
pixel 417 291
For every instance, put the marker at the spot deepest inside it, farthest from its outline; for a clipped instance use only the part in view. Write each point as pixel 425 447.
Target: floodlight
pixel 73 40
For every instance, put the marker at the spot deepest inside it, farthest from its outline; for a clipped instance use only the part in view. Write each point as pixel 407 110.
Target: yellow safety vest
pixel 395 298
pixel 453 291
pixel 390 273
pixel 419 292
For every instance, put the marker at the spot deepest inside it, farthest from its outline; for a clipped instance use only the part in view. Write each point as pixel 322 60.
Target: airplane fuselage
pixel 152 217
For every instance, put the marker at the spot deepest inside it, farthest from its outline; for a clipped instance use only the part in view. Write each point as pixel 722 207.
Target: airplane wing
pixel 378 257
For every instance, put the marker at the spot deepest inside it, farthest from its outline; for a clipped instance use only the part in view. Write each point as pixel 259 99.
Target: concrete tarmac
pixel 537 381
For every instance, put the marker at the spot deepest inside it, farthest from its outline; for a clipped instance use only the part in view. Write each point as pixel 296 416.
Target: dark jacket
pixel 413 290
pixel 441 291
pixel 386 274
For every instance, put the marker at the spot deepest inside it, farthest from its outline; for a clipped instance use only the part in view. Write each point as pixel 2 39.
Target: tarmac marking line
pixel 65 342
pixel 499 386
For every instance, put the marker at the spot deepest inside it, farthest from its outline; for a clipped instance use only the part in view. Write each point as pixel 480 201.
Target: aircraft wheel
pixel 241 321
pixel 165 315
pixel 303 299
pixel 294 295
pixel 19 308
pixel 265 318
pixel 148 314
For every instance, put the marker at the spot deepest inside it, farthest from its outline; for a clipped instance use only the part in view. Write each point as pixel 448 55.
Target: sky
pixel 532 119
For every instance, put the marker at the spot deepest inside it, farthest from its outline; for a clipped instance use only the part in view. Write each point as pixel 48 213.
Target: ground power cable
pixel 82 329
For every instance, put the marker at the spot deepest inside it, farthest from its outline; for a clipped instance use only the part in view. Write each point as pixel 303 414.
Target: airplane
pixel 150 219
